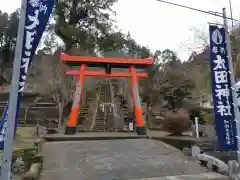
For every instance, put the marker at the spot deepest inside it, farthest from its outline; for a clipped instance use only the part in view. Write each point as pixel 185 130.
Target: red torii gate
pixel 108 64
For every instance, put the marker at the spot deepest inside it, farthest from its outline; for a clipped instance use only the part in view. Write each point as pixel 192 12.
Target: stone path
pixel 114 160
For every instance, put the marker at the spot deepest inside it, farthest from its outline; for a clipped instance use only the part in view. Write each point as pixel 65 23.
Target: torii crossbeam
pixel 108 63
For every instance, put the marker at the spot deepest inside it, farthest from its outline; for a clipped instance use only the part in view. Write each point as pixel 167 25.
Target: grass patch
pixel 26 132
pixel 25 136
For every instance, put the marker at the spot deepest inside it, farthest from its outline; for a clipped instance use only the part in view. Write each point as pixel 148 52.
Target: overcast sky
pixel 158 25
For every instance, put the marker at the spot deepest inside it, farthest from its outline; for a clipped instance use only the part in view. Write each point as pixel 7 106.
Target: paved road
pixel 114 160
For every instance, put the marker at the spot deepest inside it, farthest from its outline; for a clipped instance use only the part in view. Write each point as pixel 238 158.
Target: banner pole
pixel 230 64
pixel 8 143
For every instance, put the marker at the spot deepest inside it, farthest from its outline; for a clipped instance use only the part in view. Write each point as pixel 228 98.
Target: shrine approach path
pixel 114 160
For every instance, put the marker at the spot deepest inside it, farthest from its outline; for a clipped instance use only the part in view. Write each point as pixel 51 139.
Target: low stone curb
pixel 39 144
pixel 33 173
pixel 77 138
pixel 212 163
pixel 234 171
pixel 201 176
pixel 35 169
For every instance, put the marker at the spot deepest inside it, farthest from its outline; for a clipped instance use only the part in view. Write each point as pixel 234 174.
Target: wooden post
pixel 196 127
pixel 25 117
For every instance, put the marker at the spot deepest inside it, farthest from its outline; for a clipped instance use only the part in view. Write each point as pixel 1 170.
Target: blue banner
pixel 221 90
pixel 3 126
pixel 37 16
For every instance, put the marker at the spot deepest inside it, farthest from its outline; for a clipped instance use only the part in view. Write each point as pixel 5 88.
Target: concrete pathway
pixel 118 160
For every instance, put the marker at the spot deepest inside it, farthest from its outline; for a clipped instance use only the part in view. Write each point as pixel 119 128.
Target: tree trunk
pixel 60 114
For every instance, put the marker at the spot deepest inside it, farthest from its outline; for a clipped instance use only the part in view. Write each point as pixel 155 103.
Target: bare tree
pixel 56 83
pixel 169 80
pixel 198 63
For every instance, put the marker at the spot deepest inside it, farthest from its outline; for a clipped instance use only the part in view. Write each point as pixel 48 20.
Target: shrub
pixel 209 117
pixel 176 122
pixel 197 112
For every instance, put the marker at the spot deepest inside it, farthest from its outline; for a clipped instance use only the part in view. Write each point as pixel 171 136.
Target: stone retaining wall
pixel 27 162
pixel 36 166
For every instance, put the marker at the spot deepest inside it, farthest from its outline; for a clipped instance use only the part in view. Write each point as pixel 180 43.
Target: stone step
pixel 127 110
pixel 84 112
pixel 201 176
pixel 99 125
pixel 99 120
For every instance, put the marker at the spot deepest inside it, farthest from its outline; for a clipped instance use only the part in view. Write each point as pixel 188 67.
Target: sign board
pixel 221 90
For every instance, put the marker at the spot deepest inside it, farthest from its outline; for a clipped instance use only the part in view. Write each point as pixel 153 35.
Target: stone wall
pixel 30 112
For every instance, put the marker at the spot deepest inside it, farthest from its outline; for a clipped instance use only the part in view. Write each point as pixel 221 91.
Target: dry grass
pixel 25 137
pixel 26 132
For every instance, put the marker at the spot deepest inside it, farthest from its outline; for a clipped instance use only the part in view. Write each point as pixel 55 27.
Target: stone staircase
pixel 83 123
pixel 82 115
pixel 104 119
pixel 127 113
pixel 113 111
pixel 124 108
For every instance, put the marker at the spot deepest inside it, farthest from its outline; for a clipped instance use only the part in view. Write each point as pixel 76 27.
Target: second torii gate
pixel 108 63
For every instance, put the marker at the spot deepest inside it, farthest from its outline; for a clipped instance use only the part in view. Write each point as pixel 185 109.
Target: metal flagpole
pixel 230 63
pixel 231 11
pixel 8 143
